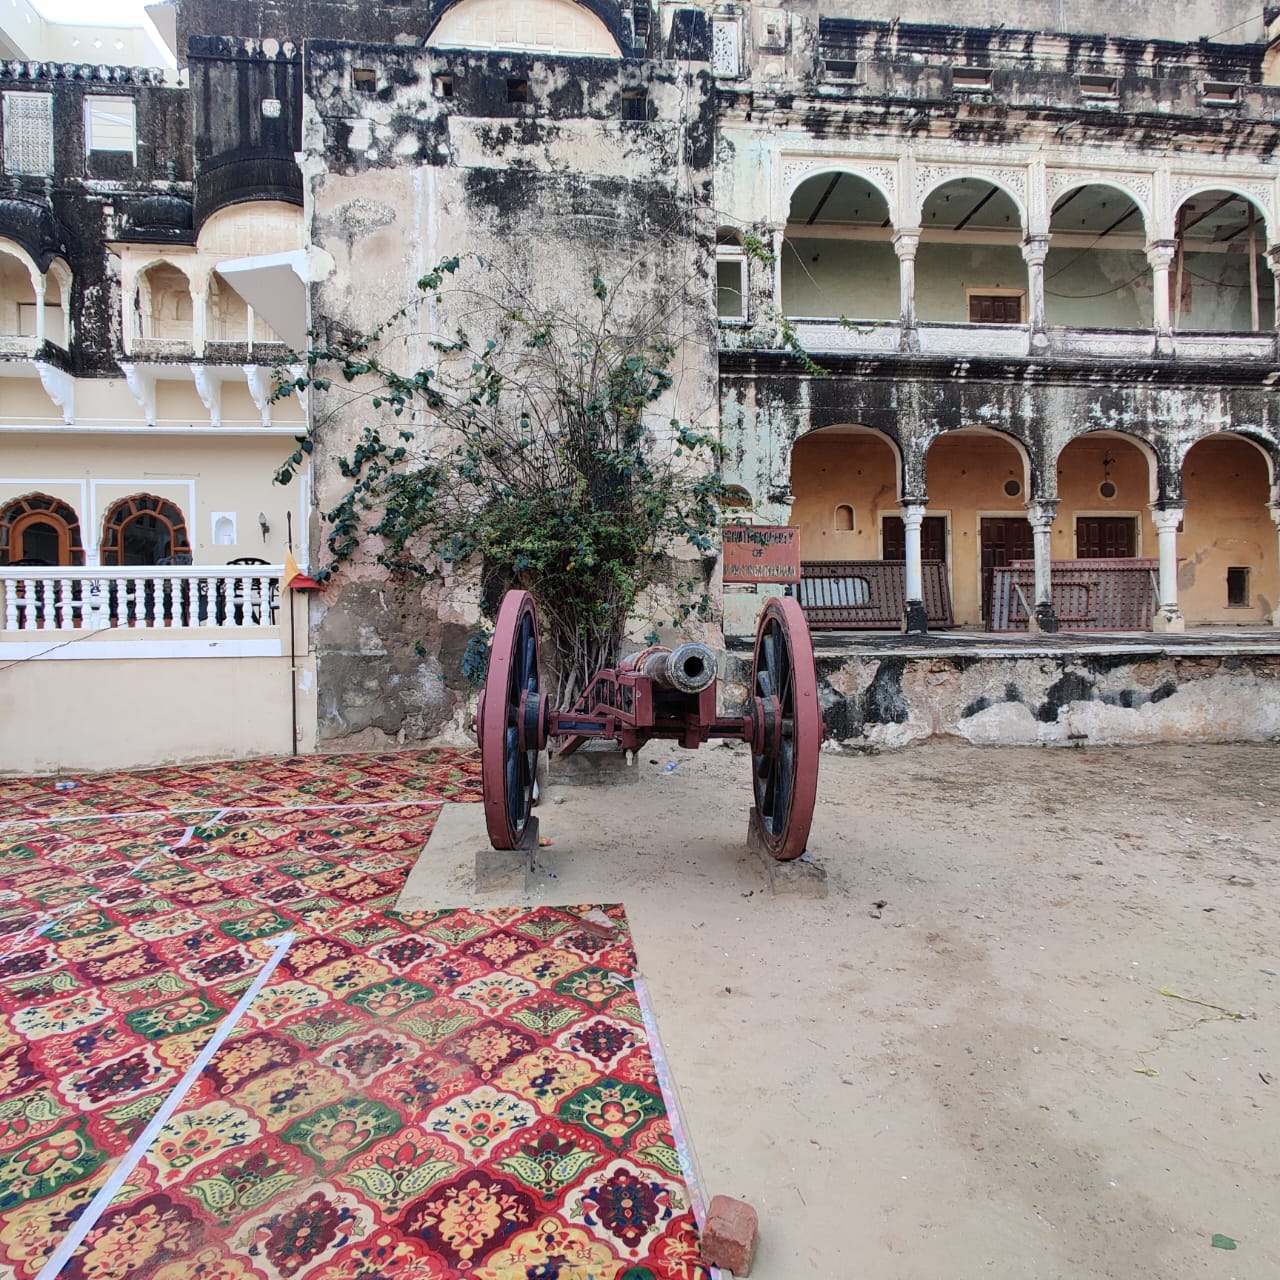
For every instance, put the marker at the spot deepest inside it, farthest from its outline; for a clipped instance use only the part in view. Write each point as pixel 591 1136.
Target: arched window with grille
pixel 145 530
pixel 40 530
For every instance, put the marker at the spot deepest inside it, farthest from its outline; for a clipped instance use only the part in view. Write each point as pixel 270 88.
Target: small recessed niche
pixel 635 104
pixel 442 85
pixel 844 518
pixel 1012 488
pixel 1238 587
pixel 365 79
pixel 1104 87
pixel 1220 93
pixel 1106 489
pixel 971 79
pixel 224 528
pixel 517 91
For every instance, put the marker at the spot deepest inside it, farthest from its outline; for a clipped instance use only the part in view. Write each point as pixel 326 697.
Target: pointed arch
pixel 40 528
pixel 144 529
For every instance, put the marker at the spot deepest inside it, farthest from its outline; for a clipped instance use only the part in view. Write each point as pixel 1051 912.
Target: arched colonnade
pixel 977 500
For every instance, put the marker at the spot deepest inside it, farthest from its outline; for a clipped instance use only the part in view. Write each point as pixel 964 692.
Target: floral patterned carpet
pixel 437 1094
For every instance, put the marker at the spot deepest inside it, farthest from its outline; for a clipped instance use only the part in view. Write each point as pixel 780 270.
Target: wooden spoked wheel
pixel 511 721
pixel 784 769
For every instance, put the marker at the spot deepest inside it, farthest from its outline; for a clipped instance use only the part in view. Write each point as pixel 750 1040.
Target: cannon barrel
pixel 688 668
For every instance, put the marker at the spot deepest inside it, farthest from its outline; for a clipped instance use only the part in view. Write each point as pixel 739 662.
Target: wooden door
pixel 933 539
pixel 1106 537
pixel 1004 540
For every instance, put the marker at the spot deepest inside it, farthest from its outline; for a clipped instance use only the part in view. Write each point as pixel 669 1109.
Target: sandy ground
pixel 986 1080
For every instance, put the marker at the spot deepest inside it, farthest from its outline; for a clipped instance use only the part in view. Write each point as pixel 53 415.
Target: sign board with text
pixel 761 553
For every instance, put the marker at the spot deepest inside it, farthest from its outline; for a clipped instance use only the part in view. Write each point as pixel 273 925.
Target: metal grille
pixel 868 595
pixel 28 133
pixel 1088 595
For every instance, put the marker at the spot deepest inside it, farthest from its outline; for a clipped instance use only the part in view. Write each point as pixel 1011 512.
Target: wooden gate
pixel 1107 594
pixel 1004 540
pixel 869 595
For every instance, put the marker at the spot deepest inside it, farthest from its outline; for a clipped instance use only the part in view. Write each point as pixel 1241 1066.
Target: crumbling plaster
pixel 1050 699
pixel 548 189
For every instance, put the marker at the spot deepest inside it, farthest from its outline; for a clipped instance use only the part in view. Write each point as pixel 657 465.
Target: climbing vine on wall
pixel 525 446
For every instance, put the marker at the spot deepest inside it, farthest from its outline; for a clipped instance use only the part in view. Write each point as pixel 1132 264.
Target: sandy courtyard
pixel 989 1079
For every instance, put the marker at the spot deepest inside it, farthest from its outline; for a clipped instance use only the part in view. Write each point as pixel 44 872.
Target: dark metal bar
pixel 826 195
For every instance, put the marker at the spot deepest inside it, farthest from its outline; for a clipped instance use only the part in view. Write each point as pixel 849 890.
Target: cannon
pixel 656 693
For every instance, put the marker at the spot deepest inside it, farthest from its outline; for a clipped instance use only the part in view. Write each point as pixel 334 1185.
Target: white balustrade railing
pixel 221 597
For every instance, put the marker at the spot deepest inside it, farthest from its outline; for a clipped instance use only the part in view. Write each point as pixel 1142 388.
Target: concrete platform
pixel 595 859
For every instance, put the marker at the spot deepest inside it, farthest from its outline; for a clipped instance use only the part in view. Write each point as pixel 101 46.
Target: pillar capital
pixel 1042 511
pixel 906 241
pixel 1167 515
pixel 1035 248
pixel 913 514
pixel 1161 253
pixel 1274 508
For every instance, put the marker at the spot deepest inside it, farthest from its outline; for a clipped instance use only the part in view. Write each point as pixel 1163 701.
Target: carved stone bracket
pixel 209 389
pixel 261 385
pixel 142 384
pixel 60 387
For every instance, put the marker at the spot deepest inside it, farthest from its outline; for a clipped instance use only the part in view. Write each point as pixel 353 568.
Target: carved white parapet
pixel 60 387
pixel 142 384
pixel 209 389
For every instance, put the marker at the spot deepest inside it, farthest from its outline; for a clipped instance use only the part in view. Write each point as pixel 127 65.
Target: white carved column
pixel 1041 514
pixel 916 619
pixel 199 315
pixel 905 244
pixel 37 287
pixel 1035 249
pixel 1274 507
pixel 1160 254
pixel 1273 261
pixel 1168 616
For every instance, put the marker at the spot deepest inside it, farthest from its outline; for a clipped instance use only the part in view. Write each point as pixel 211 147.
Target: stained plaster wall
pixel 550 189
pixel 1225 484
pixel 134 713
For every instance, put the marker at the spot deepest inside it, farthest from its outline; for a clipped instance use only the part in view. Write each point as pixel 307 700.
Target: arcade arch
pixel 845 479
pixel 969 266
pixel 1107 482
pixel 1096 273
pixel 1219 278
pixel 837 254
pixel 1227 572
pixel 979 482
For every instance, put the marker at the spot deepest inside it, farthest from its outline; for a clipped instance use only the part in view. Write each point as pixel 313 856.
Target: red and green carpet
pixel 428 1095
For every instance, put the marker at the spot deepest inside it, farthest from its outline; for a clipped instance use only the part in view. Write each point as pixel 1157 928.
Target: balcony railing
pixel 977 341
pixel 230 599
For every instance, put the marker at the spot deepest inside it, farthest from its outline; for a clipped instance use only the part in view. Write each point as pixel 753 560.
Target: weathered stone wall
pixel 1042 404
pixel 1054 699
pixel 1169 19
pixel 549 190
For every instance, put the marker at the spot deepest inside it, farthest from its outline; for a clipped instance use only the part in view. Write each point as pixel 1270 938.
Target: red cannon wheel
pixel 511 721
pixel 784 761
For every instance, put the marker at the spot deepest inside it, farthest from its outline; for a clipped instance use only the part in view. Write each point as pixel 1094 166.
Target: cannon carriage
pixel 656 693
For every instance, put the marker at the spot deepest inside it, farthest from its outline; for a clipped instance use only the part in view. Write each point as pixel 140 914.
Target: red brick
pixel 729 1239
